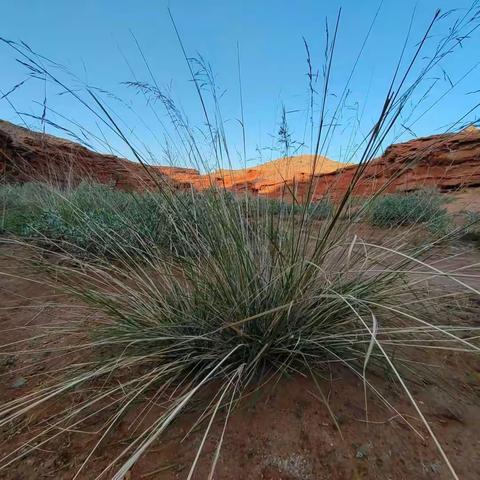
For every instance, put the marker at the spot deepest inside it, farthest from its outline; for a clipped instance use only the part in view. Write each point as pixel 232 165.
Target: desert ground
pixel 283 432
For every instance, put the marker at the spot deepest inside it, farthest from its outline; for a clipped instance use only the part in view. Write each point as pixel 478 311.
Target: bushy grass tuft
pixel 90 219
pixel 246 296
pixel 403 209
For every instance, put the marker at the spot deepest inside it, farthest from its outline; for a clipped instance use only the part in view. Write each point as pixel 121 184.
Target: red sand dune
pixel 447 162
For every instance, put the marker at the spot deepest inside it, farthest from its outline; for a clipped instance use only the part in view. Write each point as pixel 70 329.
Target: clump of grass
pixel 256 298
pixel 404 209
pixel 89 219
pixel 321 209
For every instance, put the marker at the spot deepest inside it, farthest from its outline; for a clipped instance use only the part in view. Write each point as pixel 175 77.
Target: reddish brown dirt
pixel 285 433
pixel 467 200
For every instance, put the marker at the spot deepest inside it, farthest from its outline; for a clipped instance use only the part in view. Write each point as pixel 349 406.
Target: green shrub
pixel 98 219
pixel 402 209
pixel 90 218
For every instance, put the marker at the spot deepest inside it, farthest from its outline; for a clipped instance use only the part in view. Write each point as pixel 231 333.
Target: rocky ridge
pixel 448 162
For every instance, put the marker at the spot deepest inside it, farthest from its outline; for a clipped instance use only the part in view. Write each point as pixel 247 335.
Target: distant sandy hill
pixel 289 167
pixel 267 177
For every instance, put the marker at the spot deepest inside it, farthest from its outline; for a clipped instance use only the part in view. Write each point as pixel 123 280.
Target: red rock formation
pixel 446 162
pixel 26 155
pixel 265 178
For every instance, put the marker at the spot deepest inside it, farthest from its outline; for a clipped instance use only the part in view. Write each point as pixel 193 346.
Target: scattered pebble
pixel 362 452
pixel 18 382
pixel 295 465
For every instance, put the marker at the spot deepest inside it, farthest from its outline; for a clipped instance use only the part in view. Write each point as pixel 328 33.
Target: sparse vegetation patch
pixel 402 209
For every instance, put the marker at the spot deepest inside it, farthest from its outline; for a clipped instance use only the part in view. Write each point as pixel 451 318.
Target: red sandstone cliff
pixel 26 155
pixel 447 162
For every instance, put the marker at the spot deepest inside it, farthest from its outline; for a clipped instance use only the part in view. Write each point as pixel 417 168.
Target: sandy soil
pixel 284 434
pixel 467 200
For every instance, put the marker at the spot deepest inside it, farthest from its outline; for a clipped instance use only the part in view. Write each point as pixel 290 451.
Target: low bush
pixel 403 209
pixel 91 218
pixel 19 205
pixel 98 219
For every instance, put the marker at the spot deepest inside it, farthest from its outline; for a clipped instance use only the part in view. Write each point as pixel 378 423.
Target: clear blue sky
pixel 92 39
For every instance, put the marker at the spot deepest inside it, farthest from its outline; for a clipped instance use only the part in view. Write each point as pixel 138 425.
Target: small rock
pixel 362 452
pixel 450 413
pixel 18 382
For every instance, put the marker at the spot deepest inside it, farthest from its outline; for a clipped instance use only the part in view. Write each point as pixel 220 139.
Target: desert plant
pixel 97 219
pixel 402 209
pixel 19 205
pixel 88 219
pixel 255 297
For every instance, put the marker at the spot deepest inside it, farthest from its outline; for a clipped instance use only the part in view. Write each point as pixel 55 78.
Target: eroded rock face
pixel 26 155
pixel 447 162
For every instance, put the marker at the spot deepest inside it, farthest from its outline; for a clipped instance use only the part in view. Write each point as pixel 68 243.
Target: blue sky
pixel 94 37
